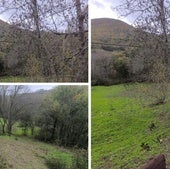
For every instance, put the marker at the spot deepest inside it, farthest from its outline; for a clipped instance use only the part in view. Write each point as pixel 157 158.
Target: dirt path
pixel 22 154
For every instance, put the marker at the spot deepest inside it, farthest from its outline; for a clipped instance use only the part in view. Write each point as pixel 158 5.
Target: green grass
pixel 23 152
pixel 33 79
pixel 21 79
pixel 19 131
pixel 13 79
pixel 35 154
pixel 62 154
pixel 120 124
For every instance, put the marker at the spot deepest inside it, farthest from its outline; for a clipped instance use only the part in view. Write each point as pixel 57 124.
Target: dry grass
pixel 20 154
pixel 24 153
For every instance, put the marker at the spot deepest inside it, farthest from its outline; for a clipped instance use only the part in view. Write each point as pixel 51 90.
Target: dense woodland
pixel 44 40
pixel 58 116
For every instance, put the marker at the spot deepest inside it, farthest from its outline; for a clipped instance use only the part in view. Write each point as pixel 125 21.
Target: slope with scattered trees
pixel 131 121
pixel 57 117
pixel 110 40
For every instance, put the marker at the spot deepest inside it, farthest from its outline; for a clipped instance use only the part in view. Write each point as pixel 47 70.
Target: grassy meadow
pixel 126 129
pixel 34 79
pixel 12 79
pixel 27 153
pixel 19 151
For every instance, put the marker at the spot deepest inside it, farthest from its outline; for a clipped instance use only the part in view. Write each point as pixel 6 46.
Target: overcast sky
pixel 103 9
pixel 34 87
pixel 1 17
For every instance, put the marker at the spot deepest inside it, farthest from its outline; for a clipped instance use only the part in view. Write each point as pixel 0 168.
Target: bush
pixel 121 65
pixel 43 135
pixel 56 163
pixel 112 48
pixel 80 160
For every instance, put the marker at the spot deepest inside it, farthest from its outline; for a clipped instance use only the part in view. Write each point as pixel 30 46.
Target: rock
pixel 157 162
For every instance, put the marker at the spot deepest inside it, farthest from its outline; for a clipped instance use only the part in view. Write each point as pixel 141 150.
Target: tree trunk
pixel 32 130
pixel 3 124
pixel 53 130
pixel 40 44
pixel 9 129
pixel 3 128
pixel 82 65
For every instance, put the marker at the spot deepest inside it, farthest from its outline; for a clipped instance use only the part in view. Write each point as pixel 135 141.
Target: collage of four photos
pixel 84 84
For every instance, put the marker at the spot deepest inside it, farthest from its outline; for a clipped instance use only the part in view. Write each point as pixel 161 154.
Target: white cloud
pixel 2 18
pixel 34 88
pixel 103 9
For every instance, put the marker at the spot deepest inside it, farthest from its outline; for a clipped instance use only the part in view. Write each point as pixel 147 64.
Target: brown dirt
pixel 22 154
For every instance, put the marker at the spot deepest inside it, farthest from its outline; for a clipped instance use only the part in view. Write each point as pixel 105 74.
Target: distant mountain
pixel 108 30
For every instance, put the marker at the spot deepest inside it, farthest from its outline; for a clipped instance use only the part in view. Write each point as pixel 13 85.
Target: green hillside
pixel 122 132
pixel 25 153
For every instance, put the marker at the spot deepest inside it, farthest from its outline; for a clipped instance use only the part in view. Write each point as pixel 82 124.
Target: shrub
pixel 112 48
pixel 33 68
pixel 121 65
pixel 80 160
pixel 56 163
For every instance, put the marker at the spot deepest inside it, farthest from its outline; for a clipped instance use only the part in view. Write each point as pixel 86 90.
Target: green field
pixel 33 79
pixel 12 79
pixel 23 152
pixel 21 79
pixel 121 122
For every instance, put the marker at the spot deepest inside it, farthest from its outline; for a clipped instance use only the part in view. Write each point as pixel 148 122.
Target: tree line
pixel 58 116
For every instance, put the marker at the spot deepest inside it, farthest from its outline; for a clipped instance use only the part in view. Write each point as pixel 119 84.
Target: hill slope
pixel 108 30
pixel 3 27
pixel 121 124
pixel 28 154
pixel 110 38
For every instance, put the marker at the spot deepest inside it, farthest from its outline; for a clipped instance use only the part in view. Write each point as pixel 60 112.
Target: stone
pixel 157 162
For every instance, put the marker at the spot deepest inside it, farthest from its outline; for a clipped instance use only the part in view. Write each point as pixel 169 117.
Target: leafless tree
pixel 82 61
pixel 152 19
pixel 11 105
pixel 46 28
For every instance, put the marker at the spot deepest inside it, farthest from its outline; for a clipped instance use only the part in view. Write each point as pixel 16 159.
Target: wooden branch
pixel 66 34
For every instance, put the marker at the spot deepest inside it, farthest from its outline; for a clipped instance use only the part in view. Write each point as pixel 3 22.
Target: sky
pixel 97 9
pixel 103 9
pixel 34 87
pixel 64 13
pixel 1 17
